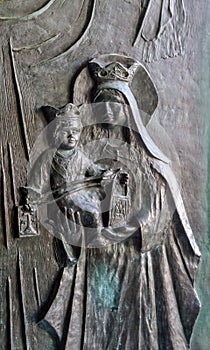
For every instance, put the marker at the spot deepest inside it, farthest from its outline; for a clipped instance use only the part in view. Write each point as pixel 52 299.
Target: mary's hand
pixel 67 227
pixel 120 233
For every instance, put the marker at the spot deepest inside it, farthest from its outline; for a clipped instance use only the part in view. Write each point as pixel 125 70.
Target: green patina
pixel 105 287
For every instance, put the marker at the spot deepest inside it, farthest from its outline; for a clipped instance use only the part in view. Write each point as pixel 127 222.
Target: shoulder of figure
pixel 45 158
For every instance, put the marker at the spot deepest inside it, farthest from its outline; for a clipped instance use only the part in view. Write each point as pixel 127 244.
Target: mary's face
pixel 111 113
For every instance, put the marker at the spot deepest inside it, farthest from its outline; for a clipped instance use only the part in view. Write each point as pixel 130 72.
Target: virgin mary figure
pixel 138 292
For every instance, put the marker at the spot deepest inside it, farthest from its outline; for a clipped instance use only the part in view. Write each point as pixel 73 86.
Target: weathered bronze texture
pixel 156 229
pixel 102 174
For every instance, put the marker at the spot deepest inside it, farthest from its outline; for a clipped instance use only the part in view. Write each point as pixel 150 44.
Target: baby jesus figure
pixel 78 184
pixel 72 172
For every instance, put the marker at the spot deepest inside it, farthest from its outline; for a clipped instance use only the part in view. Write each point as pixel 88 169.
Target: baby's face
pixel 69 135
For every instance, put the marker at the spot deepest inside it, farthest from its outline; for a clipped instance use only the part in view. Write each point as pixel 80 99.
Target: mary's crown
pixel 112 71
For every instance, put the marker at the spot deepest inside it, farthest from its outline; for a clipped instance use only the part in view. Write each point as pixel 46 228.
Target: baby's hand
pixel 110 173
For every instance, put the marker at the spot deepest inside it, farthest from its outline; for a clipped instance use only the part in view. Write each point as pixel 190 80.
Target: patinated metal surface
pixel 133 293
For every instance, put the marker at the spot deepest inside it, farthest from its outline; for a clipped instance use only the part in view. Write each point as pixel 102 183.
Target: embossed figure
pixel 161 28
pixel 77 184
pixel 139 293
pixel 70 167
pixel 168 254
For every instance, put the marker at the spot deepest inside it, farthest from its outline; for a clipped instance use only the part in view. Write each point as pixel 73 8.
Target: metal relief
pixel 100 202
pixel 106 257
pixel 27 221
pixel 161 29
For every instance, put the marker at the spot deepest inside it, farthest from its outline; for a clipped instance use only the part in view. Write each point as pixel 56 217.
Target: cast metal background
pixel 41 50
